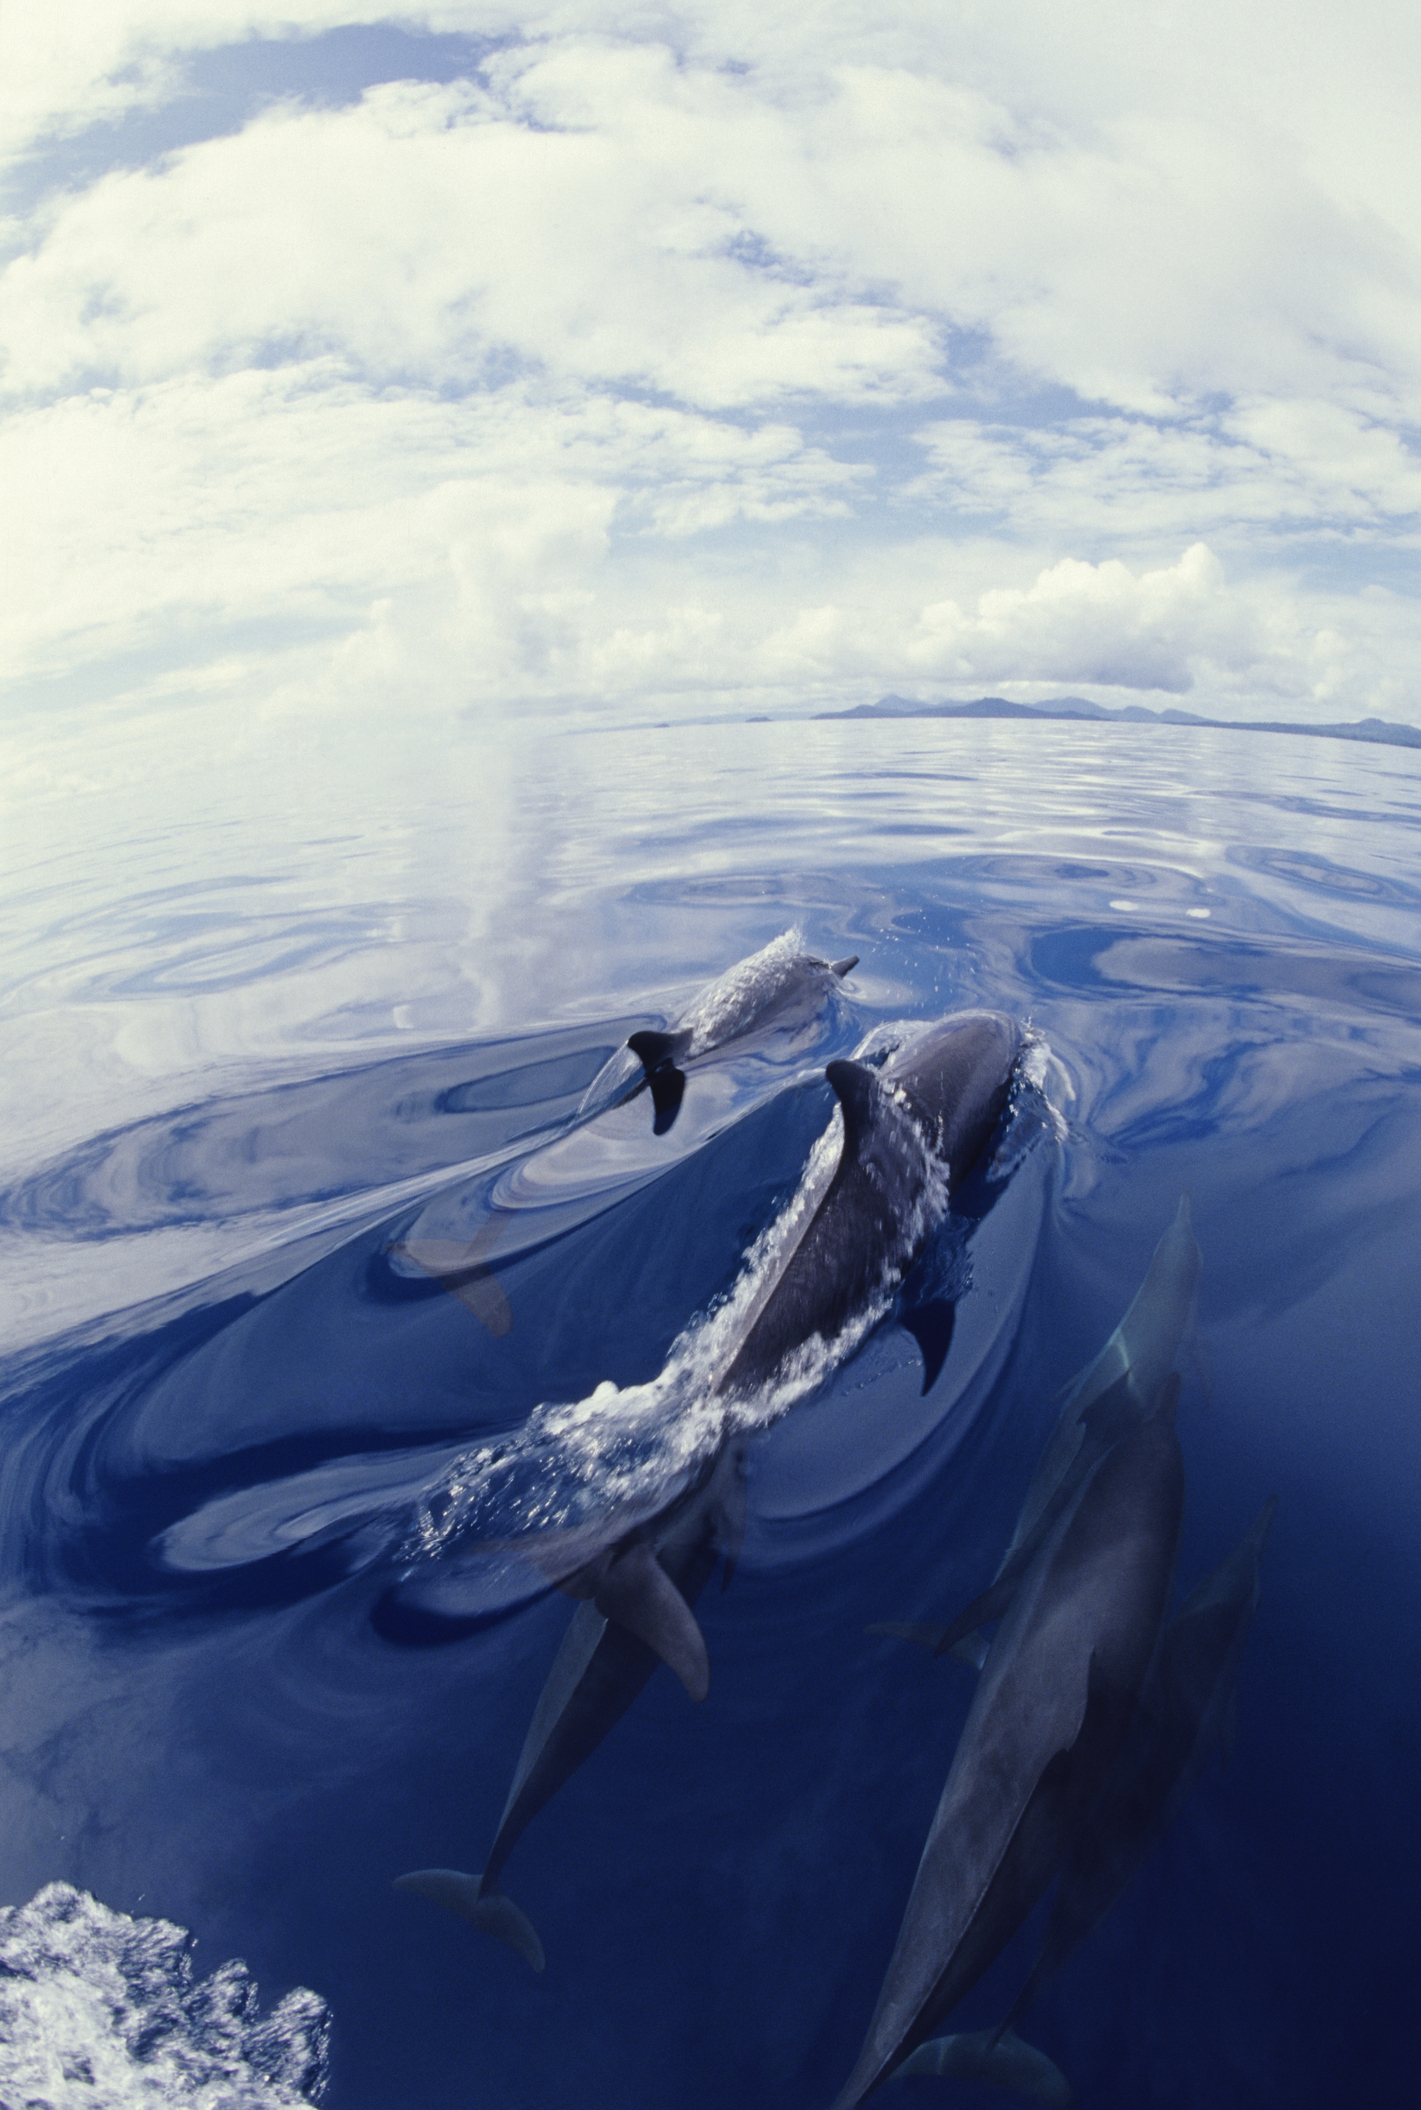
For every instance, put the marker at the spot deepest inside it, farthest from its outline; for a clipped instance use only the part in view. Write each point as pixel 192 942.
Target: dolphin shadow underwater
pixel 911 1132
pixel 1093 1719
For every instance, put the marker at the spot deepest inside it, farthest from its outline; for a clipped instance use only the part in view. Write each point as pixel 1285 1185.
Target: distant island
pixel 1380 732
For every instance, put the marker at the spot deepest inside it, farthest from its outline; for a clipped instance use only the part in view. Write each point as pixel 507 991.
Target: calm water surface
pixel 265 1021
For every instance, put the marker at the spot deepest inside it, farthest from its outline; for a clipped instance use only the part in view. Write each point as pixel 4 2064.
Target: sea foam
pixel 99 2011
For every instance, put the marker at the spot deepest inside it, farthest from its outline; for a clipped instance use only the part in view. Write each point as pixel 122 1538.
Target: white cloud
pixel 171 518
pixel 421 233
pixel 1263 471
pixel 563 380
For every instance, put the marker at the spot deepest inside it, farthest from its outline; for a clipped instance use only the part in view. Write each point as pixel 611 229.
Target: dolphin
pixel 609 1651
pixel 1186 1711
pixel 778 990
pixel 1101 1404
pixel 1052 1709
pixel 912 1132
pixel 909 1130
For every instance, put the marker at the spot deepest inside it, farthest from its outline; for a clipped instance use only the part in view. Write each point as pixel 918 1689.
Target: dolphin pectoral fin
pixel 990 1605
pixel 668 1089
pixel 843 967
pixel 491 1910
pixel 635 1592
pixel 462 1271
pixel 483 1297
pixel 971 1649
pixel 997 2056
pixel 931 1326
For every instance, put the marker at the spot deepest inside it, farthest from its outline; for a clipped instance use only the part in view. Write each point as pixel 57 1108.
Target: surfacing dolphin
pixel 909 1131
pixel 777 991
pixel 1051 1712
pixel 912 1132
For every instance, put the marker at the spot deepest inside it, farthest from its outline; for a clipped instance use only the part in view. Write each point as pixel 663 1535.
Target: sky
pixel 658 360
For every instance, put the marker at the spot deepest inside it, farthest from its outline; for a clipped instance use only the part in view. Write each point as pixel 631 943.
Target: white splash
pixel 97 2008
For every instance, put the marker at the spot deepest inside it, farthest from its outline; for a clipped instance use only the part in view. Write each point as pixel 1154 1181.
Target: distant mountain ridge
pixel 1380 732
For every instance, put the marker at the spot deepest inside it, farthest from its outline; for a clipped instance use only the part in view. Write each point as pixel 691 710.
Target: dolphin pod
pixel 1093 1719
pixel 910 1132
pixel 775 991
pixel 1094 1714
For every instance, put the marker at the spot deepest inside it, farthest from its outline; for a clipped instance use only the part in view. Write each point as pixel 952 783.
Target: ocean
pixel 285 1012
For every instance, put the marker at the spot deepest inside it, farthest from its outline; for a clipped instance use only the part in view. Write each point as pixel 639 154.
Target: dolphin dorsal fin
pixel 635 1592
pixel 668 1089
pixel 931 1325
pixel 652 1050
pixel 863 1099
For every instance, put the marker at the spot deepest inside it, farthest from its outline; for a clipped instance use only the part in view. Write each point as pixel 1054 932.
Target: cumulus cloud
pixel 720 353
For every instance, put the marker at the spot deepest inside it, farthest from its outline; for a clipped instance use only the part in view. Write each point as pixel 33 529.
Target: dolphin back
pixel 958 1076
pixel 1181 1720
pixel 859 1237
pixel 1051 1711
pixel 1128 1373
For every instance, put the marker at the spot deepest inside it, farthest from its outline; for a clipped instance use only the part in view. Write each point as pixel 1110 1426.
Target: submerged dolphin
pixel 600 1668
pixel 909 1131
pixel 776 991
pixel 1052 1708
pixel 1186 1711
pixel 1102 1404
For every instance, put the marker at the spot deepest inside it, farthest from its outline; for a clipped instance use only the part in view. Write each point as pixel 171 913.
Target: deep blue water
pixel 260 1041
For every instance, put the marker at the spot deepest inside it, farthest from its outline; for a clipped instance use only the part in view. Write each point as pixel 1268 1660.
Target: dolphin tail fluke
pixel 489 1909
pixel 1000 2057
pixel 843 967
pixel 931 1326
